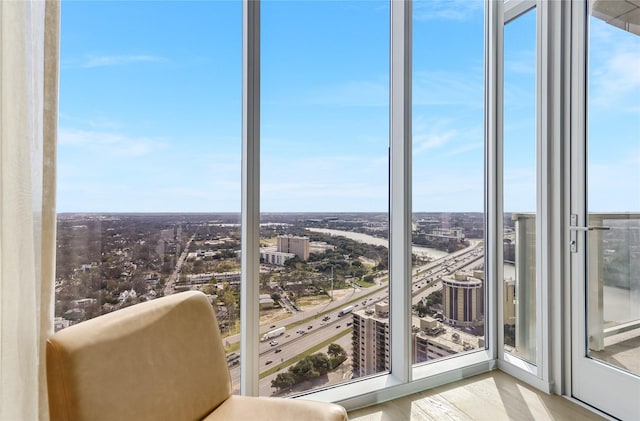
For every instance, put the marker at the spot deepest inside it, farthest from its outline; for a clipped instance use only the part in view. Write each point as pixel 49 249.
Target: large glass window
pixel 519 188
pixel 149 158
pixel 324 193
pixel 448 282
pixel 614 186
pixel 150 168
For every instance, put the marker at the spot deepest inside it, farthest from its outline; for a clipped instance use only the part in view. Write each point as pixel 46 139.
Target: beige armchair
pixel 159 360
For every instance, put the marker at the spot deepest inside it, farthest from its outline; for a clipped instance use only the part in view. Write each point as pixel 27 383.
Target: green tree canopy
pixel 336 350
pixel 283 381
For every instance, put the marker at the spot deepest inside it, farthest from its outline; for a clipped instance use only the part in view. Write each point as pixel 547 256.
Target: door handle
pixel 574 229
pixel 590 228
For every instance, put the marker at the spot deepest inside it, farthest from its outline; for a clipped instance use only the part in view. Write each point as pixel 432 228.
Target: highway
pixel 292 343
pixel 168 288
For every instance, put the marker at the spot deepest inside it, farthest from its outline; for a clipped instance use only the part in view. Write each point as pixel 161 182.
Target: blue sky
pixel 150 107
pixel 614 119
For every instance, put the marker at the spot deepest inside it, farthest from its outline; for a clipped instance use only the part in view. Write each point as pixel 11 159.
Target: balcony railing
pixel 613 276
pixel 613 281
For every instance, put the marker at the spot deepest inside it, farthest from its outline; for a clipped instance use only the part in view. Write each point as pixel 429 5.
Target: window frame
pixel 553 73
pixel 404 378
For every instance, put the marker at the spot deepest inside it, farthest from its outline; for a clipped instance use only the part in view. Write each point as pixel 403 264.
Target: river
pixel 619 304
pixel 376 241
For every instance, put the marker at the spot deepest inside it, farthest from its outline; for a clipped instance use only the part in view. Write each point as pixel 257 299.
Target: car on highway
pixel 310 327
pixel 337 327
pixel 273 343
pixel 272 326
pixel 278 350
pixel 268 362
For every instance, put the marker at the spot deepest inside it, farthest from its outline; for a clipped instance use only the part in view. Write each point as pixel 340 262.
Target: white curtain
pixel 29 39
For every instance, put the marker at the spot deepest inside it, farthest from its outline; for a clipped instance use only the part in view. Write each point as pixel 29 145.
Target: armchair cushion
pixel 158 360
pixel 276 409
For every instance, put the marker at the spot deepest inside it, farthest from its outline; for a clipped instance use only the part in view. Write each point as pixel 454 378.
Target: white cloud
pixel 330 170
pixel 614 60
pixel 439 133
pixel 432 140
pixel 111 60
pixel 457 10
pixel 617 79
pixel 324 182
pixel 111 144
pixel 449 88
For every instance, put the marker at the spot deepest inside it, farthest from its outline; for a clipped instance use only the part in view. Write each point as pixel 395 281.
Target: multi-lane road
pixel 169 287
pixel 293 343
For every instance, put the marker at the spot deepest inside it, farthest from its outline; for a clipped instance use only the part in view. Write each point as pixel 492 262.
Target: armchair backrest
pixel 159 360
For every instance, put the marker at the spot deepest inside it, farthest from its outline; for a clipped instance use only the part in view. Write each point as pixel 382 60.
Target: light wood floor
pixel 491 396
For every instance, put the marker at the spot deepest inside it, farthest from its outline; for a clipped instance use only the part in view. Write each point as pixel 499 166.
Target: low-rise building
pixel 433 340
pixel 266 301
pixel 271 256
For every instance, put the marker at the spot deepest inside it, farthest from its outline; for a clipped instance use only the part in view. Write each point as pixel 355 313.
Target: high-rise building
pixel 296 245
pixel 463 299
pixel 430 340
pixel 370 340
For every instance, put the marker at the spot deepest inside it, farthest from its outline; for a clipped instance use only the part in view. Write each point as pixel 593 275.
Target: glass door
pixel 605 219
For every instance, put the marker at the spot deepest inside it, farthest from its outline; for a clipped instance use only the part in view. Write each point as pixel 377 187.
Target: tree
pixel 338 355
pixel 321 363
pixel 434 298
pixel 291 263
pixel 310 367
pixel 421 309
pixel 209 289
pixel 304 369
pixel 283 381
pixel 336 350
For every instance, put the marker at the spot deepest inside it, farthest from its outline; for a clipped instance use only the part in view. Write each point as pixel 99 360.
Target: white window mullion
pixel 494 75
pixel 250 219
pixel 400 191
pixel 549 247
pixel 542 132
